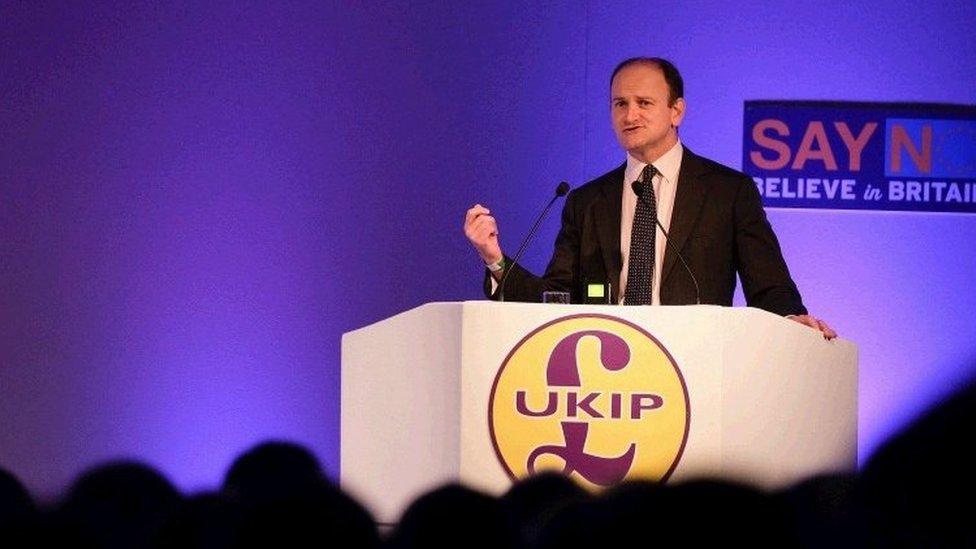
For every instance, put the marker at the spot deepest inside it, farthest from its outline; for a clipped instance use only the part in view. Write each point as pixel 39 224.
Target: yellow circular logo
pixel 593 396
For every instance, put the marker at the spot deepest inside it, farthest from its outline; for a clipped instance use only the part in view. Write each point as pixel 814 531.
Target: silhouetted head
pixel 531 503
pixel 15 503
pixel 319 516
pixel 18 515
pixel 272 471
pixel 716 512
pixel 635 511
pixel 453 516
pixel 825 511
pixel 696 514
pixel 120 504
pixel 918 485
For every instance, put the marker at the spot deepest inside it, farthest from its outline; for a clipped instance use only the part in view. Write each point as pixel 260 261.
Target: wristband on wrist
pixel 497 266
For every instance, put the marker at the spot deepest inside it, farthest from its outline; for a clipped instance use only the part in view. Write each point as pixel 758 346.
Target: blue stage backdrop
pixel 196 201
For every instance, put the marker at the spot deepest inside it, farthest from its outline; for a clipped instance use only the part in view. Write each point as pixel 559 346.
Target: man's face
pixel 646 126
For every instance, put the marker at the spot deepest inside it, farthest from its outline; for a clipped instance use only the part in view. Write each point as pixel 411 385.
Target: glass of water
pixel 556 297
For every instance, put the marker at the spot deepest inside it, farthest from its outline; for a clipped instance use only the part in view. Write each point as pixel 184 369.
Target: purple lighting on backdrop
pixel 196 202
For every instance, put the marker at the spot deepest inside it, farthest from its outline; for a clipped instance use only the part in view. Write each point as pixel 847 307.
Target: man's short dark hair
pixel 676 86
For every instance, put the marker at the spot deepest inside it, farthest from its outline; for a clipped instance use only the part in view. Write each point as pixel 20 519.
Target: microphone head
pixel 638 189
pixel 562 189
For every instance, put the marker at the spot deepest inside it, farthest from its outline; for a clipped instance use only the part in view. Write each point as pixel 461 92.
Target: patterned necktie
pixel 640 268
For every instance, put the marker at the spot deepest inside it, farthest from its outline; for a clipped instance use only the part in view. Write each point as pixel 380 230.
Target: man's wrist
pixel 496 266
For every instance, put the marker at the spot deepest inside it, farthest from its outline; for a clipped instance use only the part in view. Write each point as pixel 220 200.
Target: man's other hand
pixel 816 324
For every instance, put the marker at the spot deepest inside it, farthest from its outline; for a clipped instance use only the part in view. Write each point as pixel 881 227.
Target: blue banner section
pixel 924 147
pixel 862 156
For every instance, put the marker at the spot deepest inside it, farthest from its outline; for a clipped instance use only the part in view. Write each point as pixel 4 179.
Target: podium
pixel 485 393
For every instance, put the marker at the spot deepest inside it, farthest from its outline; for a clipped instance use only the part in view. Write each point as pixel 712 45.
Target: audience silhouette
pixel 911 493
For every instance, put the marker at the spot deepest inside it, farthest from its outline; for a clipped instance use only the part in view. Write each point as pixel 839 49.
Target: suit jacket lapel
pixel 688 200
pixel 608 227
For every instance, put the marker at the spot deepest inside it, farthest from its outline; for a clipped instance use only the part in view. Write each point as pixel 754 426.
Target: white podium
pixel 736 393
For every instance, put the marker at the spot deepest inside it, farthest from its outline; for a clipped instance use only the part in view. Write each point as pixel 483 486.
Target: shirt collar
pixel 668 165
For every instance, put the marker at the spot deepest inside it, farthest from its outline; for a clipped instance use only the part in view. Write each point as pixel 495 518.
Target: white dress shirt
pixel 665 185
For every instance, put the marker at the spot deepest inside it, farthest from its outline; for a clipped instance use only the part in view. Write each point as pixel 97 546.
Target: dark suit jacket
pixel 718 223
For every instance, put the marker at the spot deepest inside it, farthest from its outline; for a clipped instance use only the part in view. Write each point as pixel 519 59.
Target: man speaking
pixel 613 228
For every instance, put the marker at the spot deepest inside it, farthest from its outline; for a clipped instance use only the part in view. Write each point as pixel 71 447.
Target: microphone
pixel 561 190
pixel 639 190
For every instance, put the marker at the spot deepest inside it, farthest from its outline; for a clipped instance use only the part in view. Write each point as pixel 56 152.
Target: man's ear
pixel 677 112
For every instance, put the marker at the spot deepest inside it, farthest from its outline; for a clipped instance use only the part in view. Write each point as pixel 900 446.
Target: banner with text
pixel 862 156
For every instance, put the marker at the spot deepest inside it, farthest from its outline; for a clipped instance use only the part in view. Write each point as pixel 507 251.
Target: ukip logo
pixel 593 396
